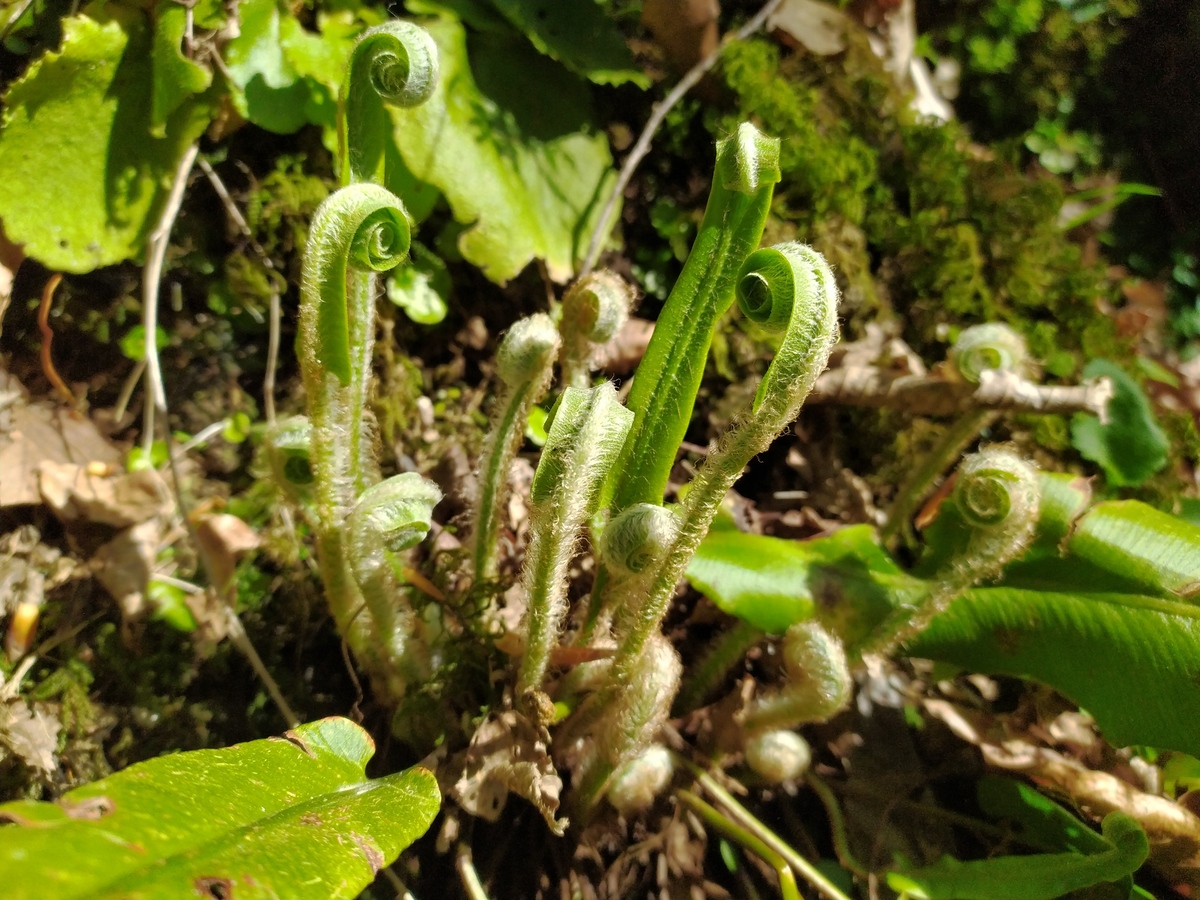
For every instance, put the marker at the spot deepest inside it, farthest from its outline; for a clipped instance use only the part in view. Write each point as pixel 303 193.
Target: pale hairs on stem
pixel 996 494
pixel 524 364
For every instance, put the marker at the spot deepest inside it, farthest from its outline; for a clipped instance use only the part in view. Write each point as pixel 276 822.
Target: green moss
pixel 917 221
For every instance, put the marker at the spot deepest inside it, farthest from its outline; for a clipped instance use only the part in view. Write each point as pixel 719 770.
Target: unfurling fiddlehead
pixel 989 347
pixel 992 347
pixel 586 430
pixel 524 362
pixel 816 686
pixel 289 451
pixel 358 231
pixel 668 377
pixel 388 518
pixel 791 288
pixel 392 64
pixel 593 311
pixel 629 722
pixel 988 520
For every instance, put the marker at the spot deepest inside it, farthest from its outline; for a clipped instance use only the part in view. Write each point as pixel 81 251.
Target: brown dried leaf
pixel 686 29
pixel 508 755
pixel 124 565
pixel 621 355
pixel 31 734
pixel 223 538
pixel 35 433
pixel 99 495
pixel 818 27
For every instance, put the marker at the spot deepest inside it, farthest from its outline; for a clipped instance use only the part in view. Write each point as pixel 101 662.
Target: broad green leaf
pixel 579 35
pixel 421 287
pixel 285 817
pixel 508 138
pixel 845 580
pixel 267 89
pixel 1131 660
pixel 84 177
pixel 175 76
pixel 1132 446
pixel 1100 625
pixel 319 59
pixel 1044 876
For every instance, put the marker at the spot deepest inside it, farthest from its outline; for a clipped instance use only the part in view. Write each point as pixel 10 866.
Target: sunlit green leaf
pixel 1046 876
pixel 1112 619
pixel 286 817
pixel 507 137
pixel 84 176
pixel 267 89
pixel 846 579
pixel 579 35
pixel 421 287
pixel 1132 446
pixel 1100 649
pixel 175 76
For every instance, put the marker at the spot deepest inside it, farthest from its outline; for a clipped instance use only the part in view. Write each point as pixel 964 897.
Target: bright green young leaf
pixel 579 35
pixel 133 344
pixel 285 817
pixel 170 604
pixel 421 287
pixel 1046 876
pixel 175 76
pixel 84 177
pixel 507 137
pixel 1132 446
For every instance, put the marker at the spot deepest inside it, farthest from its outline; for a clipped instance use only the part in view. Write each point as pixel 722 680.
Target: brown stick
pixel 925 396
pixel 48 338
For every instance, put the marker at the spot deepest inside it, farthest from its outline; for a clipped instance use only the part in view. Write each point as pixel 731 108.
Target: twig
pixel 275 313
pixel 127 389
pixel 466 872
pixel 743 817
pixel 657 116
pixel 156 402
pixel 926 396
pixel 156 252
pixel 15 17
pixel 202 435
pixel 787 879
pixel 43 319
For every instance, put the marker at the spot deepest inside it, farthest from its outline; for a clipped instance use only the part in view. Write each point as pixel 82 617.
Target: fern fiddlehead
pixel 789 287
pixel 524 363
pixel 992 515
pixel 980 348
pixel 358 231
pixel 593 311
pixel 392 64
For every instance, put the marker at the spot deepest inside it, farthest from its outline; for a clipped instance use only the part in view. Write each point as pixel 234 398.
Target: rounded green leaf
pixel 85 172
pixel 293 817
pixel 1132 446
